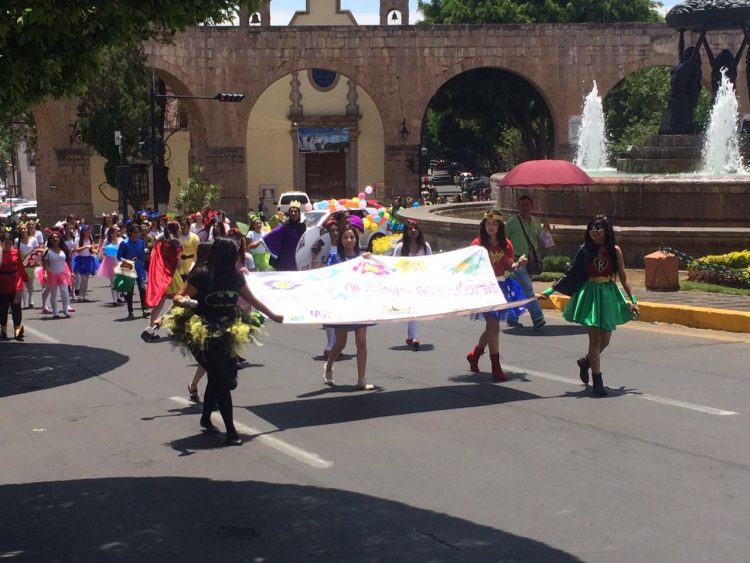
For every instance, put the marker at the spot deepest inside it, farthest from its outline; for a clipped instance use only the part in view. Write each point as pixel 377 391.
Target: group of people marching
pixel 200 263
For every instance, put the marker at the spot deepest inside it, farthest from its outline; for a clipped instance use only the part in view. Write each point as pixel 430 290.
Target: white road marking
pixel 40 335
pixel 277 444
pixel 645 396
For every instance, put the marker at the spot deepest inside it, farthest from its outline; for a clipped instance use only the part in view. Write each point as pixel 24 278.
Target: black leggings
pixel 220 368
pixel 141 294
pixel 8 301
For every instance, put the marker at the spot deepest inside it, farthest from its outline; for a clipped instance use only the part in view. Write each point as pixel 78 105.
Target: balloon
pixel 387 215
pixel 362 204
pixel 368 190
pixel 331 208
pixel 415 204
pixel 373 227
pixel 355 200
pixel 381 212
pixel 308 206
pixel 361 195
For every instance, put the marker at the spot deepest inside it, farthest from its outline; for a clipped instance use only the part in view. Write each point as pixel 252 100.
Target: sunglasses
pixel 596 227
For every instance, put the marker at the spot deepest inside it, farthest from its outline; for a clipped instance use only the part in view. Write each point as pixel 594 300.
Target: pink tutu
pixel 107 267
pixel 52 280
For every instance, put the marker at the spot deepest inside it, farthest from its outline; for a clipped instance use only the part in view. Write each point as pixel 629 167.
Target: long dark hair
pixel 609 238
pixel 341 240
pixel 405 239
pixel 484 237
pixel 222 259
pixel 60 243
pixel 202 253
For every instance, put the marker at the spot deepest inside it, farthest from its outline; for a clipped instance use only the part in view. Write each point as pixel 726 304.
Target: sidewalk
pixel 697 309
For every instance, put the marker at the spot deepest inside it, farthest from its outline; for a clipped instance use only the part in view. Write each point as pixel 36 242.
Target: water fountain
pixel 592 152
pixel 721 148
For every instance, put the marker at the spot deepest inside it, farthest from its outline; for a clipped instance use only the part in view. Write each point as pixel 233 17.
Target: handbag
pixel 546 239
pixel 534 265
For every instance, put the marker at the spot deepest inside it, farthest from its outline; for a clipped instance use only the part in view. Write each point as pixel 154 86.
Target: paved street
pixel 102 458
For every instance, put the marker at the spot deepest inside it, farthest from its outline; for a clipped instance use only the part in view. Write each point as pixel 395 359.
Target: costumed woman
pixel 257 247
pixel 55 273
pixel 412 243
pixel 500 249
pixel 596 302
pixel 282 240
pixel 215 329
pixel 134 250
pixel 164 278
pixel 31 255
pixel 108 250
pixel 331 225
pixel 13 276
pixel 84 264
pixel 348 248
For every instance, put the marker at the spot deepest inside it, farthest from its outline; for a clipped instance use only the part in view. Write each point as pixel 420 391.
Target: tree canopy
pixel 538 11
pixel 52 48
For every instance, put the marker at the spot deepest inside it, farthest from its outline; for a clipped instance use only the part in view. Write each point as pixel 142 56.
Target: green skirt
pixel 600 305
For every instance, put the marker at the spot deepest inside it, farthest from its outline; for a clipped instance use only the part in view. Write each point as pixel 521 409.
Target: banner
pixel 384 289
pixel 323 139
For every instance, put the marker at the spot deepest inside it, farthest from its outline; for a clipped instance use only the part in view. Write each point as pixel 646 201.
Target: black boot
pixel 598 389
pixel 584 365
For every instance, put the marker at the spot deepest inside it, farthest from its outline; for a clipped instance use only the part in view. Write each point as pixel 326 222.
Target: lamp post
pixel 157 143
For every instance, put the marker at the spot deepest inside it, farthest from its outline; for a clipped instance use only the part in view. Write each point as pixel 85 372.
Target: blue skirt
pixel 85 265
pixel 512 292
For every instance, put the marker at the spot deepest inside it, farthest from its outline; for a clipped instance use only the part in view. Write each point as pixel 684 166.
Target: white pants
pixel 64 297
pixel 411 330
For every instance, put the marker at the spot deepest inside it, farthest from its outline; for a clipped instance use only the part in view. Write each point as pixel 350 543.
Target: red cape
pixel 161 270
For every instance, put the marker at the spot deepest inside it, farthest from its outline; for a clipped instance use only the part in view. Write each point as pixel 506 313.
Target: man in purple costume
pixel 282 240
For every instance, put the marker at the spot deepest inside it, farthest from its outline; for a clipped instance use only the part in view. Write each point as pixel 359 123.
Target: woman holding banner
pixel 412 244
pixel 500 249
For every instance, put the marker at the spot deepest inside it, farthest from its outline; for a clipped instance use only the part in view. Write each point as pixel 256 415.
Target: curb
pixel 685 315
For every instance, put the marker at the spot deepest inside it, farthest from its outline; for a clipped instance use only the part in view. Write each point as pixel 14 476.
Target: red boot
pixel 497 371
pixel 473 358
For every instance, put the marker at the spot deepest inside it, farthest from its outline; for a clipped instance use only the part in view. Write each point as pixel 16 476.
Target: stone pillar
pixel 226 166
pixel 400 179
pixel 387 6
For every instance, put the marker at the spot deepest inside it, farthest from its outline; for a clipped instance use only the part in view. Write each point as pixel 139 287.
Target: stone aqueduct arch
pixel 401 68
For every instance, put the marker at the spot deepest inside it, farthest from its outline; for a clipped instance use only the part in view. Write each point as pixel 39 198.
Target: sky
pixel 366 12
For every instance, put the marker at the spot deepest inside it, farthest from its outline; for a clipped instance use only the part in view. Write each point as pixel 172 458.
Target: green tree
pixel 470 118
pixel 633 109
pixel 53 48
pixel 196 194
pixel 537 11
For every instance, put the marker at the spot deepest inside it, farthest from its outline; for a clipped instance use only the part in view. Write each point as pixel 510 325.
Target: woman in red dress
pixel 13 276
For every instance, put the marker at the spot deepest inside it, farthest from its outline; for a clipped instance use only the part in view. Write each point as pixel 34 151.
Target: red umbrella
pixel 546 173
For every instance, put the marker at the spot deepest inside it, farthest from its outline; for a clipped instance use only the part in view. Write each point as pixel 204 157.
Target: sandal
pixel 328 376
pixel 194 395
pixel 364 386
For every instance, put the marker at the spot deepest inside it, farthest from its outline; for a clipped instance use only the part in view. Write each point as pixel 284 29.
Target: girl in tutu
pixel 500 249
pixel 84 264
pixel 55 273
pixel 108 250
pixel 596 302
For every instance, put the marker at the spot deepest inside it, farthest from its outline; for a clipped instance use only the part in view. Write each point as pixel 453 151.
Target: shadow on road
pixel 333 407
pixel 183 519
pixel 548 330
pixel 30 366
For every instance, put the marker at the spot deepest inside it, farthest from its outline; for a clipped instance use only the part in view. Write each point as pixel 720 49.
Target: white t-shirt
pixel 25 247
pixel 252 236
pixel 400 247
pixel 86 248
pixel 55 261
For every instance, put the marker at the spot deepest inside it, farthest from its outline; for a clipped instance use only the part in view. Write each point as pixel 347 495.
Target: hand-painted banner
pixel 384 289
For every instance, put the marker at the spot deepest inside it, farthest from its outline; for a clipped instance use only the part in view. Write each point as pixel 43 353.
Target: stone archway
pixel 309 103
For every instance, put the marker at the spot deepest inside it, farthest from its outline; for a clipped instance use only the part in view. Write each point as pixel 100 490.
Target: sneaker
pixel 71 310
pixel 131 315
pixel 415 344
pixel 46 311
pixel 513 323
pixel 539 323
pixel 409 341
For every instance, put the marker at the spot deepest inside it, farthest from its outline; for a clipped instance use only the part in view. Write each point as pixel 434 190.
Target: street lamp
pixel 157 145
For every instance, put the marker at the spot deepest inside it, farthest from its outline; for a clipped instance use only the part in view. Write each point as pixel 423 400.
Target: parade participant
pixel 189 242
pixel 134 249
pixel 245 262
pixel 500 249
pixel 26 245
pixel 257 247
pixel 331 225
pixel 109 246
pixel 84 264
pixel 56 274
pixel 282 240
pixel 412 243
pixel 69 237
pixel 201 260
pixel 219 330
pixel 596 302
pixel 523 231
pixel 13 276
pixel 197 223
pixel 164 278
pixel 348 248
pixel 34 232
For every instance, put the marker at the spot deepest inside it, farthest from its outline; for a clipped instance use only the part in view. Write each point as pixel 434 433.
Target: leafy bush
pixel 196 193
pixel 731 269
pixel 555 263
pixel 734 260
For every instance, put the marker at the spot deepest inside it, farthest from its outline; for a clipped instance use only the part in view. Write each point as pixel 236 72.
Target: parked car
pixel 288 197
pixel 28 207
pixel 442 178
pixel 477 187
pixel 318 217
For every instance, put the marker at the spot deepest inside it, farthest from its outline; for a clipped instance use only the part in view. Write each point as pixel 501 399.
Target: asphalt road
pixel 102 458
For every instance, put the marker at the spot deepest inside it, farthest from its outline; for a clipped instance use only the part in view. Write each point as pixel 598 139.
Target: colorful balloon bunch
pixel 376 218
